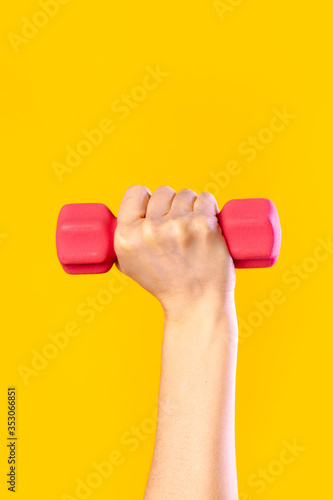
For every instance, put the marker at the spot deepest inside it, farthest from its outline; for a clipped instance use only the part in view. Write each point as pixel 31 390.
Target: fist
pixel 172 245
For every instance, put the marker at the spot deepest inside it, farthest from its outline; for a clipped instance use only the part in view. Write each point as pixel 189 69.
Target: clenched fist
pixel 172 245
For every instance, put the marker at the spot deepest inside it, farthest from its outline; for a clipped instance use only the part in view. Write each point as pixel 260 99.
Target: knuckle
pixel 206 201
pixel 200 223
pixel 174 227
pixel 205 196
pixel 177 229
pixel 186 192
pixel 162 189
pixel 123 240
pixel 135 189
pixel 149 231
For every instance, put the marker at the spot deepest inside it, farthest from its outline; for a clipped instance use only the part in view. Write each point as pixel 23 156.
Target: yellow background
pixel 226 76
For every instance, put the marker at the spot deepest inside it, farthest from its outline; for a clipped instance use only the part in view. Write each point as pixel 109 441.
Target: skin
pixel 172 245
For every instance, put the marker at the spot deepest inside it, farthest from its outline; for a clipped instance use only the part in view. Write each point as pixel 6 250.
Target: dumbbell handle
pixel 85 234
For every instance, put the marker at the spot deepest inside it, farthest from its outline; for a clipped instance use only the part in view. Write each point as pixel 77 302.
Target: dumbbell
pixel 85 233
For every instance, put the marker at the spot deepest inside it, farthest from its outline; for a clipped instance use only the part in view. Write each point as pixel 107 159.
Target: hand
pixel 172 245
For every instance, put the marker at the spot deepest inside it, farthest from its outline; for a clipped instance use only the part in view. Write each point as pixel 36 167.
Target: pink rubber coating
pixel 84 238
pixel 252 231
pixel 85 233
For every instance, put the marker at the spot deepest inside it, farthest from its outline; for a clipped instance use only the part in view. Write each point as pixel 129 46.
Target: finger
pixel 183 202
pixel 133 206
pixel 206 204
pixel 160 202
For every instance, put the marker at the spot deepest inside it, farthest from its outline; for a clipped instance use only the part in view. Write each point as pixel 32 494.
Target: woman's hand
pixel 172 245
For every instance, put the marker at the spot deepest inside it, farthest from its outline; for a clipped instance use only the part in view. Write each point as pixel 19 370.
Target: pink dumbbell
pixel 85 233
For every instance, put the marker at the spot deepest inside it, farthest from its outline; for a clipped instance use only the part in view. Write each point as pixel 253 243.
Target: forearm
pixel 194 456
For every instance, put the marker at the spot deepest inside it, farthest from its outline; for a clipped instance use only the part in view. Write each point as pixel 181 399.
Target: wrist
pixel 199 351
pixel 210 312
